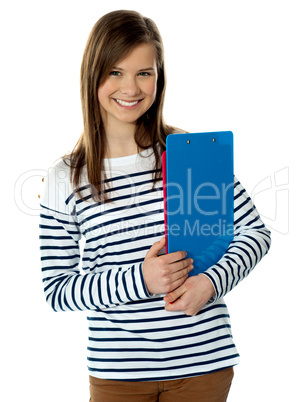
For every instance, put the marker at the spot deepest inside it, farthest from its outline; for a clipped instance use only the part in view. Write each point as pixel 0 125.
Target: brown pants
pixel 207 388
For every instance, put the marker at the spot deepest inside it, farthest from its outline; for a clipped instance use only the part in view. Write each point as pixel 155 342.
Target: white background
pixel 231 65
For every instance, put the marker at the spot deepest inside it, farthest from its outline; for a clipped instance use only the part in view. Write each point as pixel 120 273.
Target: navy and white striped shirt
pixel 131 335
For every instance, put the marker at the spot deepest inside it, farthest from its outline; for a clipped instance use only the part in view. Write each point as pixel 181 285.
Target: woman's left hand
pixel 191 296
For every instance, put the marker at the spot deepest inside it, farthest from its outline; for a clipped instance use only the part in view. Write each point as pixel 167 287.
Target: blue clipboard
pixel 198 177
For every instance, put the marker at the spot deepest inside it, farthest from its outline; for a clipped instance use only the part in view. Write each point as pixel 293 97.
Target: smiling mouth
pixel 127 103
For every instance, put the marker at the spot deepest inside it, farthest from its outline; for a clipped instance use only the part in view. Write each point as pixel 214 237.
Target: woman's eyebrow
pixel 147 69
pixel 141 69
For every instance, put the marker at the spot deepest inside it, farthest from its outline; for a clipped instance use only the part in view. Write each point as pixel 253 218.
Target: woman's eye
pixel 144 74
pixel 115 73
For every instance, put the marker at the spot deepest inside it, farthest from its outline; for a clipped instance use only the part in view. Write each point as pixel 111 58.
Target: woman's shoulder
pixel 57 187
pixel 60 168
pixel 58 175
pixel 177 130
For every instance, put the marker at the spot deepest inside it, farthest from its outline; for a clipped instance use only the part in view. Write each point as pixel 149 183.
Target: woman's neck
pixel 118 147
pixel 120 141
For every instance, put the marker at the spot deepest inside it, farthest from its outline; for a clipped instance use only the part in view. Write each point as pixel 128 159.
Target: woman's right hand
pixel 165 273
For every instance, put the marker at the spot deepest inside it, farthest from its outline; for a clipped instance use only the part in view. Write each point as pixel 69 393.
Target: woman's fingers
pixel 176 294
pixel 174 257
pixel 181 274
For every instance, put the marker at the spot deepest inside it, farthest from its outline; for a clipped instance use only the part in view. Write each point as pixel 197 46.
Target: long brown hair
pixel 112 38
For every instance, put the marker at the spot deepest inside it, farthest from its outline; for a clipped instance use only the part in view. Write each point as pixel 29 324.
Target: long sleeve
pixel 250 244
pixel 65 286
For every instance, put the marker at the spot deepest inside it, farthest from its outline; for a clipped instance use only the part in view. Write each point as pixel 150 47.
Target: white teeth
pixel 123 103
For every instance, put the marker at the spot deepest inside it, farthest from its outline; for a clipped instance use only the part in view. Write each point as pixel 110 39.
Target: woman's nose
pixel 130 87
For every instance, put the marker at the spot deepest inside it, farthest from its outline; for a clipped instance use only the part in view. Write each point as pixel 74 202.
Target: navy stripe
pixel 156 319
pixel 61 221
pixel 239 195
pixel 62 257
pixel 160 359
pixel 116 253
pixel 120 198
pixel 134 283
pixel 173 377
pixel 183 366
pixel 143 280
pixel 55 237
pixel 112 179
pixel 91 291
pixel 246 201
pixel 159 350
pixel 60 268
pixel 258 244
pixel 74 282
pixel 115 189
pixel 84 279
pixel 164 339
pixel 118 220
pixel 116 285
pixel 50 217
pixel 53 210
pixel 123 208
pixel 242 249
pixel 147 309
pixel 65 298
pixel 247 213
pixel 120 242
pixel 125 285
pixel 100 291
pixel 235 263
pixel 115 264
pixel 108 286
pixel 74 247
pixel 125 230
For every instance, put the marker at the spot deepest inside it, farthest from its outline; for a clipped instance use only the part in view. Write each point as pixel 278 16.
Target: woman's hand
pixel 191 296
pixel 165 273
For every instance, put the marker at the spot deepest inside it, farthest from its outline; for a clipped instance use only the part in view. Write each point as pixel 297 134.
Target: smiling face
pixel 130 89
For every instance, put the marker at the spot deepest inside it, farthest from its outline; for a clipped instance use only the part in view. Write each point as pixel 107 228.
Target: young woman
pixel 142 347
